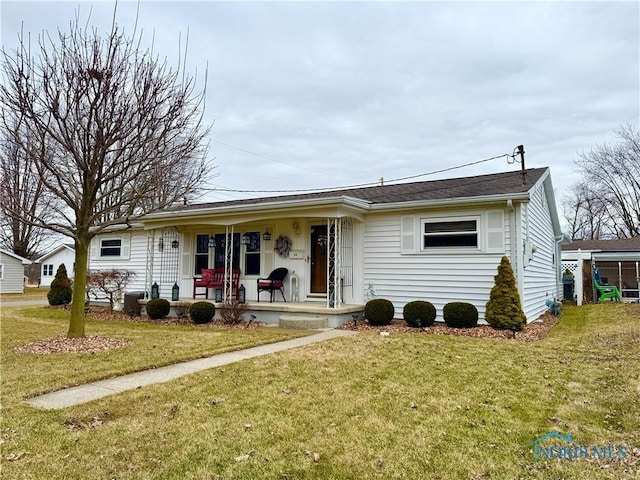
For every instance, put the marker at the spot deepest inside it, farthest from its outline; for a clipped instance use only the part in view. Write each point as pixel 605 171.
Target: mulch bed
pixel 533 332
pixel 92 344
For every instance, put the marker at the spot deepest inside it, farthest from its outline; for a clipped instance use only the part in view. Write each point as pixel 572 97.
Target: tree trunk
pixel 76 322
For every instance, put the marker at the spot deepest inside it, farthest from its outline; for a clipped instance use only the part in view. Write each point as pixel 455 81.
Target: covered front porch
pixel 316 241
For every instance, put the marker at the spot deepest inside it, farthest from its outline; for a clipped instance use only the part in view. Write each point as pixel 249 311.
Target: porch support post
pixel 334 290
pixel 578 279
pixel 620 277
pixel 148 270
pixel 228 264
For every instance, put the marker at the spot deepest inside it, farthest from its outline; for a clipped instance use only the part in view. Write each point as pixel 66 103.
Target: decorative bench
pixel 214 278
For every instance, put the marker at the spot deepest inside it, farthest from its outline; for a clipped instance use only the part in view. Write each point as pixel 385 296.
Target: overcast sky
pixel 329 94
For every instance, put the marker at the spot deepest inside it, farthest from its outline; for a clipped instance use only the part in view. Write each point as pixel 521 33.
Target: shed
pixel 12 272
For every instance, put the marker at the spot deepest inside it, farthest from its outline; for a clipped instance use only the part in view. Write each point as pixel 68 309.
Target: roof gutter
pixel 484 199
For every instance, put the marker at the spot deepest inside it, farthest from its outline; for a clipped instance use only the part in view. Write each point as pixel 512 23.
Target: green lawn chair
pixel 605 292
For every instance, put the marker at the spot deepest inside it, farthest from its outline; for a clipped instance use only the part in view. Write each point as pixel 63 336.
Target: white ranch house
pixel 439 241
pixel 51 261
pixel 12 272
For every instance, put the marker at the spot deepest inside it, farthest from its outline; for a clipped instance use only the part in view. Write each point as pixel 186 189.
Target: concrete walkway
pixel 23 303
pixel 95 390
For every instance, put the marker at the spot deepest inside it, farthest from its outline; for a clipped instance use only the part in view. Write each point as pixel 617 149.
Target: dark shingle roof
pixel 505 183
pixel 615 245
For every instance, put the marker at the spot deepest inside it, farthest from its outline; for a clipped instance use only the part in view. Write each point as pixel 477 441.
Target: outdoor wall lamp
pixel 245 240
pixel 175 244
pixel 266 236
pixel 161 244
pixel 212 241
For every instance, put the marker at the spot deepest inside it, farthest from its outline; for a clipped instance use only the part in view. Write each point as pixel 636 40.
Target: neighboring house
pixel 618 262
pixel 12 272
pixel 50 261
pixel 439 241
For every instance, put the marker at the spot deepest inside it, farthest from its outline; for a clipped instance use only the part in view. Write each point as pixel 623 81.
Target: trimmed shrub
pixel 419 313
pixel 60 291
pixel 460 315
pixel 202 312
pixel 379 312
pixel 503 307
pixel 158 308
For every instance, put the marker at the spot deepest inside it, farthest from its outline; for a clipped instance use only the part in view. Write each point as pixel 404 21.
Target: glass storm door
pixel 319 242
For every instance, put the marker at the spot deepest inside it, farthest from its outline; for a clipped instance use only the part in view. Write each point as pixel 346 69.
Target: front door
pixel 319 241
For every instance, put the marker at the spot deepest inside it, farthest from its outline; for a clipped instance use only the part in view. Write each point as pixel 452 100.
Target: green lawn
pixel 405 406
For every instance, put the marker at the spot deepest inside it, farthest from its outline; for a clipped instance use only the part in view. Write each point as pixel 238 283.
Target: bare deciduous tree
pixel 612 174
pixel 123 132
pixel 24 198
pixel 585 211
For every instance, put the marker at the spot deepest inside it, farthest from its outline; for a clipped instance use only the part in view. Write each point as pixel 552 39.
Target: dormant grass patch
pixel 401 406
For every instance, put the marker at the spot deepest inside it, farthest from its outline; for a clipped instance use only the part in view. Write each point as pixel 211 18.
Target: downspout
pixel 519 252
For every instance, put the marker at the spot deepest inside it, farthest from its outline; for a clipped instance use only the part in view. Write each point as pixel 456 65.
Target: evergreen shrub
pixel 158 308
pixel 60 290
pixel 379 312
pixel 202 312
pixel 460 315
pixel 419 313
pixel 503 308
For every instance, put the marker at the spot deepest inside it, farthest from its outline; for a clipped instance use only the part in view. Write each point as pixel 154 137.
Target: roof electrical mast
pixel 519 150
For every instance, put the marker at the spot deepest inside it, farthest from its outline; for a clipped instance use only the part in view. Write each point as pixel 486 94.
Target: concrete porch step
pixel 303 322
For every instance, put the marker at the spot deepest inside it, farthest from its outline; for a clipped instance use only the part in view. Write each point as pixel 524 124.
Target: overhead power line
pixel 360 185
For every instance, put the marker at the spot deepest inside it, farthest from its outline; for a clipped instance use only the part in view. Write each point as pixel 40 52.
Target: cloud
pixel 309 95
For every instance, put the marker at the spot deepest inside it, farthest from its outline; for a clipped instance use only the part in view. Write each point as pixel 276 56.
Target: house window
pixel 202 253
pixel 111 248
pixel 459 233
pixel 218 260
pixel 47 270
pixel 252 254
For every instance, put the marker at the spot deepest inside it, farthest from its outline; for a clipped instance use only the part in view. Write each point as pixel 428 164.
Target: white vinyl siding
pixel 540 281
pixel 134 246
pixel 12 280
pixel 438 277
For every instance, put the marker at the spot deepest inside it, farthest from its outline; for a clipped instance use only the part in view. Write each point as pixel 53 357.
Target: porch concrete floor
pixel 316 308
